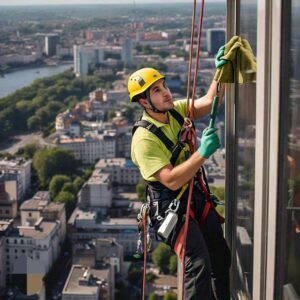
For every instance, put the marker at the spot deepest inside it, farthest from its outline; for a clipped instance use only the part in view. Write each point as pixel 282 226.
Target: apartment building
pixel 91 147
pixel 40 206
pixel 123 171
pixel 88 284
pixel 30 253
pixel 18 170
pixel 86 224
pixel 97 191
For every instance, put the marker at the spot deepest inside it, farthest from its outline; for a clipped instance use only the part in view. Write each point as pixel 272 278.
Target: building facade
pixel 18 170
pixel 122 170
pixel 263 154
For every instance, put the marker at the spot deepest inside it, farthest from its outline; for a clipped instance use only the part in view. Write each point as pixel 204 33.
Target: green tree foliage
pixel 140 190
pixel 152 296
pixel 68 199
pixel 77 183
pixel 50 162
pixel 29 150
pixel 57 183
pixel 33 123
pixel 68 187
pixel 170 296
pixel 150 277
pixel 36 106
pixel 111 114
pixel 219 192
pixel 161 256
pixel 173 264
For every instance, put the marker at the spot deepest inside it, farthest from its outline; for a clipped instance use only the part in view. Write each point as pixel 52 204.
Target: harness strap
pixel 162 137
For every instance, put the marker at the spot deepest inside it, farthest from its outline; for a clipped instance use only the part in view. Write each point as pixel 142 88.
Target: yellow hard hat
pixel 141 80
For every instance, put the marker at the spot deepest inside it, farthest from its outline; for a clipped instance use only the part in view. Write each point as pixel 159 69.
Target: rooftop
pixel 33 204
pixel 78 273
pixel 39 232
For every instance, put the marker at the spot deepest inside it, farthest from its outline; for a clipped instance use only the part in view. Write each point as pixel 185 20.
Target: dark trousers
pixel 207 261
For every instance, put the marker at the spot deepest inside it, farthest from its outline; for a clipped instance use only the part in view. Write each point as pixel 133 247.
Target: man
pixel 207 255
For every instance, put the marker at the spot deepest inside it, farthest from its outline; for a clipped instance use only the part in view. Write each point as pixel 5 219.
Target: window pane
pixel 245 134
pixel 288 252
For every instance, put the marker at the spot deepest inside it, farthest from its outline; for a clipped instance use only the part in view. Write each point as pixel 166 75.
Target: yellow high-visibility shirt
pixel 148 152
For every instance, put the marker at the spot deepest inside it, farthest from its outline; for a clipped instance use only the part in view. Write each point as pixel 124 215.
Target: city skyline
pixel 72 2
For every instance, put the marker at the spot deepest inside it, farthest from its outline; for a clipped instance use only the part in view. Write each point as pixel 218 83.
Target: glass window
pixel 245 162
pixel 288 243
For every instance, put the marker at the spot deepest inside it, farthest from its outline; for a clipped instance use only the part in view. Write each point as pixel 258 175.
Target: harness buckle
pixel 173 206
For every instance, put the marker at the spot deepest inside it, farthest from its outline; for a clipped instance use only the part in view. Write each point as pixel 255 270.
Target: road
pixel 20 141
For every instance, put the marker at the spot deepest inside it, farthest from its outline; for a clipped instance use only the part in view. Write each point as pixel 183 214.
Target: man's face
pixel 161 96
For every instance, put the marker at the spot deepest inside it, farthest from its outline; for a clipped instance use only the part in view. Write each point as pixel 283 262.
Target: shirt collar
pixel 148 118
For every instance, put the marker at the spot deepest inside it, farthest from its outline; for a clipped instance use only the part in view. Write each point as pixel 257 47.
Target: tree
pixel 170 296
pixel 173 264
pixel 77 183
pixel 57 183
pixel 29 150
pixel 68 187
pixel 50 162
pixel 152 296
pixel 68 199
pixel 161 256
pixel 33 122
pixel 150 277
pixel 111 114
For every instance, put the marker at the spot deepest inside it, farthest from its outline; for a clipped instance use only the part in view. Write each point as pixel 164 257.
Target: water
pixel 15 80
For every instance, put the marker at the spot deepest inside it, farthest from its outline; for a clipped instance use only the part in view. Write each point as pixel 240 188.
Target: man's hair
pixel 137 98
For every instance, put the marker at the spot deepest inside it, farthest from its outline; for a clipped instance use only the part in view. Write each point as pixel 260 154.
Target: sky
pixel 44 2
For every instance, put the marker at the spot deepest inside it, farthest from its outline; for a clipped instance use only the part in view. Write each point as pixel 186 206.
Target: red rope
pixel 191 136
pixel 191 59
pixel 145 254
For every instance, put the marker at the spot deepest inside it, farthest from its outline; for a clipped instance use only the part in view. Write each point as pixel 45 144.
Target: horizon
pixel 82 2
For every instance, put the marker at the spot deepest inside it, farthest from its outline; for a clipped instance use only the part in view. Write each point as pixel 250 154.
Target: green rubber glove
pixel 209 142
pixel 218 61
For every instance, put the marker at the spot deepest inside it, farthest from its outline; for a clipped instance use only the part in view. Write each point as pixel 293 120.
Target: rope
pixel 145 252
pixel 190 136
pixel 191 58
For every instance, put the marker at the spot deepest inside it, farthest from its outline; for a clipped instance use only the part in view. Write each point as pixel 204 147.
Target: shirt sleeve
pixel 149 157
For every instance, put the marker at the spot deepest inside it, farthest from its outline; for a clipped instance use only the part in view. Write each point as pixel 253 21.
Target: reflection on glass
pixel 290 263
pixel 242 281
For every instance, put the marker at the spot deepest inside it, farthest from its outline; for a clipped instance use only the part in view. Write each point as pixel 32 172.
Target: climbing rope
pixel 189 132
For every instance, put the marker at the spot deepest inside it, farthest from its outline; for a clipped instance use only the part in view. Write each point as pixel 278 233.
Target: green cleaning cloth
pixel 241 65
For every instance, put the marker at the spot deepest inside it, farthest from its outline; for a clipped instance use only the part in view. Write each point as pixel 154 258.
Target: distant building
pixel 51 41
pixel 8 200
pixel 5 228
pixel 96 252
pixel 31 251
pixel 86 224
pixel 86 55
pixel 110 251
pixel 18 170
pixel 126 54
pixel 215 39
pixel 97 191
pixel 123 171
pixel 90 147
pixel 89 284
pixel 39 207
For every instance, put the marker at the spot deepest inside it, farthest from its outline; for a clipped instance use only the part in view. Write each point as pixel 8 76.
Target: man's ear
pixel 144 102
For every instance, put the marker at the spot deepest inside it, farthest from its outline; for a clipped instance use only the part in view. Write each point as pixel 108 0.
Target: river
pixel 18 79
